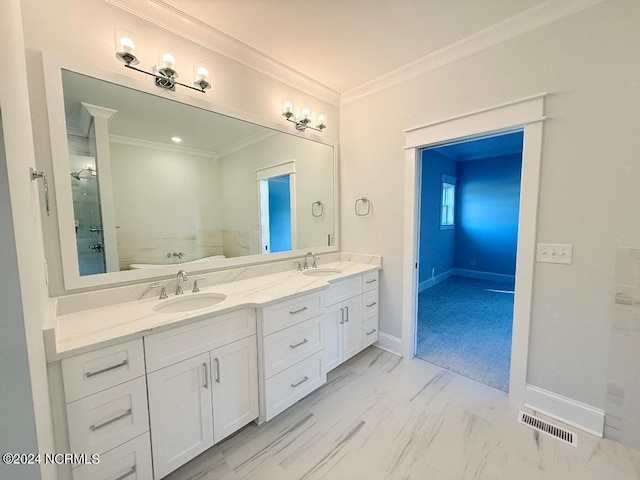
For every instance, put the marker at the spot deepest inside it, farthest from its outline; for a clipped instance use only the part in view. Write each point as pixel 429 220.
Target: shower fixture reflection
pixel 78 173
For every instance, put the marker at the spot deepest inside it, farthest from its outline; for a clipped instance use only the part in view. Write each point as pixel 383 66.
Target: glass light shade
pixel 167 61
pixel 125 46
pixel 322 118
pixel 201 75
pixel 287 107
pixel 201 72
pixel 305 113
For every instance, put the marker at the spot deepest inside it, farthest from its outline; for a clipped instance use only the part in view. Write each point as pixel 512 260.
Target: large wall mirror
pixel 145 183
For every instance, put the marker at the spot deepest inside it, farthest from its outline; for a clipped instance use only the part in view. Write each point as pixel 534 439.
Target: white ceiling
pixel 345 43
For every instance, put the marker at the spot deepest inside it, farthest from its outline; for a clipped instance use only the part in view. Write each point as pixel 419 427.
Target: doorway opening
pixel 468 231
pixel 277 193
pixel 276 213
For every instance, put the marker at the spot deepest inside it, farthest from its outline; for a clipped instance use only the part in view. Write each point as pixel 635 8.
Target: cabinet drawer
pixel 343 289
pixel 370 304
pixel 129 461
pixel 104 420
pixel 287 387
pixel 369 331
pixel 287 347
pixel 291 312
pixel 369 281
pixel 94 371
pixel 172 346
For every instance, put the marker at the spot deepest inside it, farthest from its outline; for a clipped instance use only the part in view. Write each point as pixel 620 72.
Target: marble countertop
pixel 82 331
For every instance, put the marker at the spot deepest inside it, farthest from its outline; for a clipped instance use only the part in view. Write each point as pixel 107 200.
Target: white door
pixel 334 320
pixel 352 328
pixel 180 413
pixel 235 386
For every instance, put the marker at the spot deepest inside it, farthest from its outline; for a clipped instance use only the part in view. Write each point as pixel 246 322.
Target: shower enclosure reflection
pixel 88 220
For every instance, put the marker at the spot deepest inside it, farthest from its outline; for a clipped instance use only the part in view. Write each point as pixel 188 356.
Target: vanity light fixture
pixel 303 121
pixel 165 72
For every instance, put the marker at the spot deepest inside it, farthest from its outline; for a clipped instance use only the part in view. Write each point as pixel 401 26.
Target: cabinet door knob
pixel 217 362
pixel 95 427
pixel 298 311
pixel 206 374
pixel 108 369
pixel 299 343
pixel 297 384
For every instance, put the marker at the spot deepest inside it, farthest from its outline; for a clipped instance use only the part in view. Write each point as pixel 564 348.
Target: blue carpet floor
pixel 465 326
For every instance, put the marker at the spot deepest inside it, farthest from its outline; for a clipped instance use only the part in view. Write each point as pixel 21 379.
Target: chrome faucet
pixel 313 257
pixel 182 276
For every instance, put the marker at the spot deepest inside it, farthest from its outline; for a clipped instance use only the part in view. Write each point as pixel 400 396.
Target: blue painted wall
pixel 279 214
pixel 437 247
pixel 488 200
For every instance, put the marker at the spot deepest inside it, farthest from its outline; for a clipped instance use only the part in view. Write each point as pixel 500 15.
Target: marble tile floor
pixel 382 417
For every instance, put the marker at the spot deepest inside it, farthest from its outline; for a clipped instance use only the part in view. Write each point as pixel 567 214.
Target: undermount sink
pixel 321 272
pixel 190 302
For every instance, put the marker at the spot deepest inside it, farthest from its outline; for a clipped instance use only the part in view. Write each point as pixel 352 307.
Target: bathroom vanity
pixel 149 384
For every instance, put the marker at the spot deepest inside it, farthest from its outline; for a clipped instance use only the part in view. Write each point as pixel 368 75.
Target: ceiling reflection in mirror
pixel 158 182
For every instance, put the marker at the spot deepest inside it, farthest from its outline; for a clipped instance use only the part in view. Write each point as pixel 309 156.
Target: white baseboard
pixel 496 277
pixel 389 343
pixel 422 286
pixel 569 411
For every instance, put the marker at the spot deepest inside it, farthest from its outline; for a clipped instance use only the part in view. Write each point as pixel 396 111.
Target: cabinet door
pixel 334 320
pixel 180 413
pixel 235 386
pixel 352 328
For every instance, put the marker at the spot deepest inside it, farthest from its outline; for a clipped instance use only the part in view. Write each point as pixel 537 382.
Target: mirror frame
pixel 53 64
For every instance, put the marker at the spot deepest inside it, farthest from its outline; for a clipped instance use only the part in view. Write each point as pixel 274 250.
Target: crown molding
pixel 170 18
pixel 508 29
pixel 137 142
pixel 242 144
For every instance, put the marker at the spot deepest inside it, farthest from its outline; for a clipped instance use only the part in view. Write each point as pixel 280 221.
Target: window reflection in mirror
pixel 141 199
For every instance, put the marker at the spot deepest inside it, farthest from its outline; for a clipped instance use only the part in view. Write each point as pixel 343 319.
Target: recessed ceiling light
pixel 176 139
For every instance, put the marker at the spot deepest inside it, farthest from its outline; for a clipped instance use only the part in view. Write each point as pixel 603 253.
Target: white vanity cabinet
pixel 292 341
pixel 351 318
pixel 208 393
pixel 105 394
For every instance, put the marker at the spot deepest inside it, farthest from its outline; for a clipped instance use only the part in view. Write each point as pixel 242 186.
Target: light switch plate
pixel 554 253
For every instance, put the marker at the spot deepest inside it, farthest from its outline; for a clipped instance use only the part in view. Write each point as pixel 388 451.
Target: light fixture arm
pixel 166 82
pixel 302 124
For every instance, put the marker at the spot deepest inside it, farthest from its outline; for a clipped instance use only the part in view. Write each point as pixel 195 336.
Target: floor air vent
pixel 548 428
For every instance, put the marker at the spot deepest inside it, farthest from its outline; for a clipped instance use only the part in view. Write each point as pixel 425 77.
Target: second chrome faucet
pixel 181 277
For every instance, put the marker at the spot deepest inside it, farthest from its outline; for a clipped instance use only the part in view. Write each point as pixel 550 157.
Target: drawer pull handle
pixel 217 362
pixel 108 369
pixel 373 280
pixel 206 374
pixel 299 343
pixel 128 474
pixel 372 304
pixel 373 330
pixel 342 316
pixel 94 427
pixel 299 310
pixel 346 309
pixel 297 384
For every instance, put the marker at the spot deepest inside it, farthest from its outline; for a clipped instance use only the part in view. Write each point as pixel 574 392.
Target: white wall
pixel 29 306
pixel 314 181
pixel 165 201
pixel 589 183
pixel 83 30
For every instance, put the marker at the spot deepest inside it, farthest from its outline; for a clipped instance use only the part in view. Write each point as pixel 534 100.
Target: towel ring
pixel 317 209
pixel 360 202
